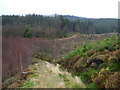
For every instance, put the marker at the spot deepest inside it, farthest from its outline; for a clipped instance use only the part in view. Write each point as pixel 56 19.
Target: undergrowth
pixel 109 44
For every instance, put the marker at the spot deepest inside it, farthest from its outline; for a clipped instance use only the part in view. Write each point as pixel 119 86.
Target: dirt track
pixel 47 76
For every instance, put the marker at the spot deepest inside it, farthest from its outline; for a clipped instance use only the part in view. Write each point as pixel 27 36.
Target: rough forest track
pixel 48 76
pixel 72 37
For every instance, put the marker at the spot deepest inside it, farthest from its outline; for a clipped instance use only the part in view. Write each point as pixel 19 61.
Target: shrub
pixel 108 43
pixel 71 54
pixel 28 33
pixel 114 66
pixel 100 47
pixel 86 76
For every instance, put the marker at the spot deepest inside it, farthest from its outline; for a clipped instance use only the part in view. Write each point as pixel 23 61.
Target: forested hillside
pixel 101 25
pixel 57 26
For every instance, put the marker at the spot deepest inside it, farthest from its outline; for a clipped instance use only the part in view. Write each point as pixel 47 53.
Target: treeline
pixel 52 27
pixel 102 25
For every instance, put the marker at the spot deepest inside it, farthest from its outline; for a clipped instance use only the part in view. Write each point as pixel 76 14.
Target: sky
pixel 82 8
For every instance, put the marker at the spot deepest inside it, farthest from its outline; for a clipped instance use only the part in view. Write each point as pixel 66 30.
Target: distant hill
pixel 100 23
pixel 73 18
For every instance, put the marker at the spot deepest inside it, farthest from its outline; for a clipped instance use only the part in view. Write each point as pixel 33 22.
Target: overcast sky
pixel 83 8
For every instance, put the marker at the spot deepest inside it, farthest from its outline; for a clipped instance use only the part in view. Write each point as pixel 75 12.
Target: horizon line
pixel 52 15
